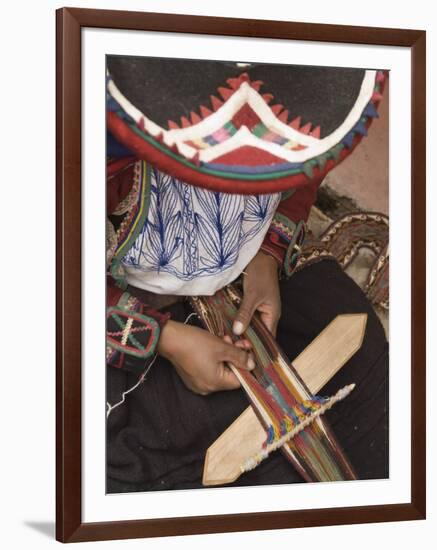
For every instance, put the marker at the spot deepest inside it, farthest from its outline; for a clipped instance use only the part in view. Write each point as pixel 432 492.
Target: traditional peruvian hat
pixel 259 129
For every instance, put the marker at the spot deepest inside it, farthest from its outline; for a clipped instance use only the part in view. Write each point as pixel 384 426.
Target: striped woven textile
pixel 290 414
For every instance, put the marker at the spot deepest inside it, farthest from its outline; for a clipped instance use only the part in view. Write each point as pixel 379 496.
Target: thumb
pixel 244 314
pixel 238 357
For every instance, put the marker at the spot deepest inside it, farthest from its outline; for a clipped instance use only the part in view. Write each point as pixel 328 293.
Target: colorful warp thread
pixel 291 415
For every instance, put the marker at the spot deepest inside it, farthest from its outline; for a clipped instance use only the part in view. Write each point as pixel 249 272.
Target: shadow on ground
pixel 46 528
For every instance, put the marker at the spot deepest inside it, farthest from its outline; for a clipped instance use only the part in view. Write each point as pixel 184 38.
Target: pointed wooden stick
pixel 316 365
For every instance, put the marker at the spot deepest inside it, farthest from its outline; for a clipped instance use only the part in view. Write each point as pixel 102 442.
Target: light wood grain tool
pixel 316 365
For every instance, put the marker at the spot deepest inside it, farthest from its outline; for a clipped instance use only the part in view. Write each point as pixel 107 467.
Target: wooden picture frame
pixel 69 524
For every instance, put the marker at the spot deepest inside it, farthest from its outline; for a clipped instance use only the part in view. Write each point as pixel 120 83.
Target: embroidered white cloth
pixel 196 241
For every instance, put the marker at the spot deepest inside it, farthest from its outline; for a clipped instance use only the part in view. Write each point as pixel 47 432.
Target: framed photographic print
pixel 240 274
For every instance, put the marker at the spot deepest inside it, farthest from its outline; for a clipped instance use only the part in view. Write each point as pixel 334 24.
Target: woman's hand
pixel 200 357
pixel 261 293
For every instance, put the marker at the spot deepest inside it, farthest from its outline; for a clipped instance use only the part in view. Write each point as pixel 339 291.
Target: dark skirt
pixel 158 438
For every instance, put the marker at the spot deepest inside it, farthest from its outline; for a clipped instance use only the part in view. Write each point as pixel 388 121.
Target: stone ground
pixel 359 183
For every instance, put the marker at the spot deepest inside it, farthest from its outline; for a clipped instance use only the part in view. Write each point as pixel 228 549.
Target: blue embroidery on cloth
pixel 192 232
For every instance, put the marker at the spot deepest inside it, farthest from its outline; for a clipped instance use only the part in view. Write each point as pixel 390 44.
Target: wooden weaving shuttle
pixel 316 365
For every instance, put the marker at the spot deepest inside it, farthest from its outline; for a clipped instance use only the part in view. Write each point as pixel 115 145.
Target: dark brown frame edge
pixel 69 526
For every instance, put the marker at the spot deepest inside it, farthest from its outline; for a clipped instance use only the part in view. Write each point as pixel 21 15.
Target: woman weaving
pixel 192 207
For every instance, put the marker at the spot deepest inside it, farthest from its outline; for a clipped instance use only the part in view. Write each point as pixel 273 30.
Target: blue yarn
pixel 359 128
pixel 270 434
pixel 371 111
pixel 348 139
